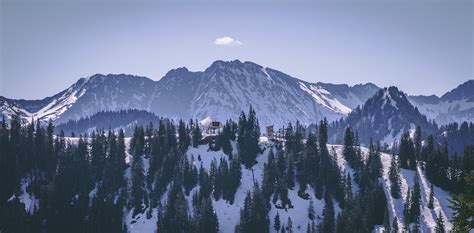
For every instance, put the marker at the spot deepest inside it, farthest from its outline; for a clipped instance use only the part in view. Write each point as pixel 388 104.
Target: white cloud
pixel 227 41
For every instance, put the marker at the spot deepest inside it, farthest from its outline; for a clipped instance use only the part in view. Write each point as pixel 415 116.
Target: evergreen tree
pixel 328 215
pixel 206 218
pixel 121 150
pixel 183 136
pixel 138 176
pixel 224 139
pixel 406 208
pixel 431 200
pixel 415 202
pixel 440 224
pixel 7 165
pixel 175 215
pixel 349 151
pixel 348 196
pixel 254 215
pixel 276 222
pixel 417 142
pixel 197 134
pixel 463 207
pixel 290 172
pixel 394 177
pixel 137 184
pixel 248 135
pixel 407 152
pixel 374 162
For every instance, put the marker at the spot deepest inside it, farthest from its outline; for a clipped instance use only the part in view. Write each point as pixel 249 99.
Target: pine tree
pixel 138 186
pixel 462 205
pixel 223 140
pixel 374 162
pixel 276 222
pixel 206 218
pixel 137 145
pixel 440 224
pixel 349 150
pixel 183 136
pixel 248 136
pixel 254 215
pixel 406 208
pixel 348 196
pixel 290 175
pixel 112 173
pixel 98 154
pixel 121 150
pixel 431 200
pixel 417 142
pixel 394 177
pixel 328 215
pixel 415 202
pixel 175 215
pixel 197 134
pixel 407 152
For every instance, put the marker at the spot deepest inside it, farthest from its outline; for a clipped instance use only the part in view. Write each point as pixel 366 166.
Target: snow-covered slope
pixel 456 105
pixel 228 88
pixel 222 91
pixel 228 214
pixel 86 97
pixel 395 206
pixel 428 216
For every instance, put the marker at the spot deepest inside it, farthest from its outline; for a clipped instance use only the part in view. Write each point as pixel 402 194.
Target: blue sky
pixel 423 47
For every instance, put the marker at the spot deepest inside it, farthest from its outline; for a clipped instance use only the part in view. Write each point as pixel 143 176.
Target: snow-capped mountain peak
pixel 384 117
pixel 456 105
pixel 221 91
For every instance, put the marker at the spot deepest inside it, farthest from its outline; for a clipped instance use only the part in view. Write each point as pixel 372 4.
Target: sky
pixel 423 47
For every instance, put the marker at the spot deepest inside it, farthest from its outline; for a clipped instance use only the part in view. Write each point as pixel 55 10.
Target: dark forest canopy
pixel 105 120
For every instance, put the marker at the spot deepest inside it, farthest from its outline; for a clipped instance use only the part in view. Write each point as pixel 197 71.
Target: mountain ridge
pixel 384 117
pixel 220 91
pixel 456 105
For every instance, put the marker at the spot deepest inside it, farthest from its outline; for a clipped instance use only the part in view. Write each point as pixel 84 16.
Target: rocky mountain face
pixel 221 92
pixel 384 117
pixel 456 105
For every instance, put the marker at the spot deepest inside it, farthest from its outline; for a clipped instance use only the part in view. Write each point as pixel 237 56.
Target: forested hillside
pixel 173 178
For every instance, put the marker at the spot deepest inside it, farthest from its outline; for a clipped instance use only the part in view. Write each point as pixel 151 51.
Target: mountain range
pixel 456 105
pixel 222 91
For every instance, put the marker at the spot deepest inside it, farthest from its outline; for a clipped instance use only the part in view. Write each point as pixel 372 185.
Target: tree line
pixel 91 182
